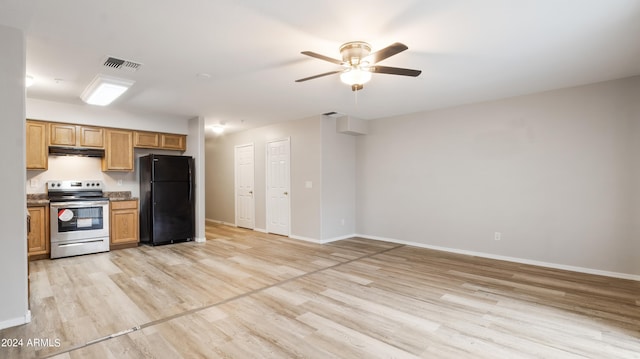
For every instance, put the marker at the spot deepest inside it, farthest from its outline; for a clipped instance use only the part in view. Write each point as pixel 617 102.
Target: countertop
pixel 37 199
pixel 119 196
pixel 41 199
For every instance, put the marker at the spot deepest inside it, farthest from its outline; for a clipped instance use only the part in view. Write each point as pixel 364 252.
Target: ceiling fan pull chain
pixel 355 94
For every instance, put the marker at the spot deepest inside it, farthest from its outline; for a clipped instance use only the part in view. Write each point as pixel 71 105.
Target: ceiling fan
pixel 359 63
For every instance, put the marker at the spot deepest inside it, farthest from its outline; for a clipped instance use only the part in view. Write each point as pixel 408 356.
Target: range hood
pixel 76 151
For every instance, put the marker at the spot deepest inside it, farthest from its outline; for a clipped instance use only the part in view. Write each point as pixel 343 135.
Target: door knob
pixel 286 193
pixel 250 192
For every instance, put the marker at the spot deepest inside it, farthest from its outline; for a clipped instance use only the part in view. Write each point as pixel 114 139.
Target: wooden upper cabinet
pixel 61 134
pixel 146 139
pixel 118 144
pixel 173 142
pixel 91 136
pixel 118 154
pixel 37 151
pixel 163 141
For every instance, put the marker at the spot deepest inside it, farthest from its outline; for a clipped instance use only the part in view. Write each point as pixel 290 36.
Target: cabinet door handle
pixel 28 224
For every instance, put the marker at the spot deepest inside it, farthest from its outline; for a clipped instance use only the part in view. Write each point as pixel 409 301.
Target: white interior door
pixel 278 187
pixel 245 200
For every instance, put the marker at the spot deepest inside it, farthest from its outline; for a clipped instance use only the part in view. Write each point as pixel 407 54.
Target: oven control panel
pixel 71 185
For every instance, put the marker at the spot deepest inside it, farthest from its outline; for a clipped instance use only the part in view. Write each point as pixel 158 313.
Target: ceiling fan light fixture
pixel 355 76
pixel 358 63
pixel 105 89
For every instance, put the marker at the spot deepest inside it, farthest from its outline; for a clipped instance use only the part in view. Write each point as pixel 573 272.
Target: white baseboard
pixel 306 239
pixel 16 321
pixel 321 241
pixel 200 240
pixel 261 230
pixel 508 259
pixel 334 239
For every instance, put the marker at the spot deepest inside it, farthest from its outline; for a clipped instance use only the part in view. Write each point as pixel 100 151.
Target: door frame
pixel 267 173
pixel 235 182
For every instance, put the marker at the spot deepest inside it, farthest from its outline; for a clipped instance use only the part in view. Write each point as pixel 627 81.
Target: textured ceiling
pixel 469 51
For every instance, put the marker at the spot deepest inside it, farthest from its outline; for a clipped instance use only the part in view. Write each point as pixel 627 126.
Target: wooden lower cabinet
pixel 124 229
pixel 38 233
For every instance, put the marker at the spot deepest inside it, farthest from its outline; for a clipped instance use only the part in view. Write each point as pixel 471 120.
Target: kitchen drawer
pixel 127 204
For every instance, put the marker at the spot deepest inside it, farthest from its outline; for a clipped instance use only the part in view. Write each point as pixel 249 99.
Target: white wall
pixel 556 173
pixel 13 255
pixel 319 155
pixel 195 149
pixel 85 168
pixel 67 168
pixel 305 166
pixel 634 196
pixel 338 182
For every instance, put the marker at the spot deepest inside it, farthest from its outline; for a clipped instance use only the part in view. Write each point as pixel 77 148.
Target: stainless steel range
pixel 79 218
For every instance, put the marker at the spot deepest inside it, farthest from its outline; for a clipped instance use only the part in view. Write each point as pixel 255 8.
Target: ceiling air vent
pixel 120 64
pixel 333 114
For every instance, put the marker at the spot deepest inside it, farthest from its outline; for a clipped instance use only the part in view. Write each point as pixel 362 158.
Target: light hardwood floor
pixel 244 294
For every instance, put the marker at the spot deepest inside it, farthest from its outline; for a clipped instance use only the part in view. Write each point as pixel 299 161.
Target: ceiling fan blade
pixel 322 57
pixel 320 75
pixel 385 53
pixel 394 71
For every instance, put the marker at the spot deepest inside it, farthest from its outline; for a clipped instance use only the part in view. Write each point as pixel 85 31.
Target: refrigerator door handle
pixel 190 183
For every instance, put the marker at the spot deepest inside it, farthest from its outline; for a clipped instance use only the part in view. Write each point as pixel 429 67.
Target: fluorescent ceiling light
pixel 104 89
pixel 217 129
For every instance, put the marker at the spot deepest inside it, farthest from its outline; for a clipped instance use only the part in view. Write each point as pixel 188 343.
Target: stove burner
pixel 75 190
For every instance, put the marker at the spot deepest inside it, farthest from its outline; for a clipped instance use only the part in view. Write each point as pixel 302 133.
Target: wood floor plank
pixel 246 294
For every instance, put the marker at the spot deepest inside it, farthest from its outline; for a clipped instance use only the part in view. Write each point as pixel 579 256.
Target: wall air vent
pixel 120 64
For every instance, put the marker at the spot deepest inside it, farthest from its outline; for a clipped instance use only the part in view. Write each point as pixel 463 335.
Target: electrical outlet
pixel 119 182
pixel 497 236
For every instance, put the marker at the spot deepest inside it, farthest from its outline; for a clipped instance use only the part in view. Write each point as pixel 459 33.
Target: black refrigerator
pixel 167 211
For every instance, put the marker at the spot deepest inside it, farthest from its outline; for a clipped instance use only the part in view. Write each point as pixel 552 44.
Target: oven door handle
pixel 80 243
pixel 78 204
